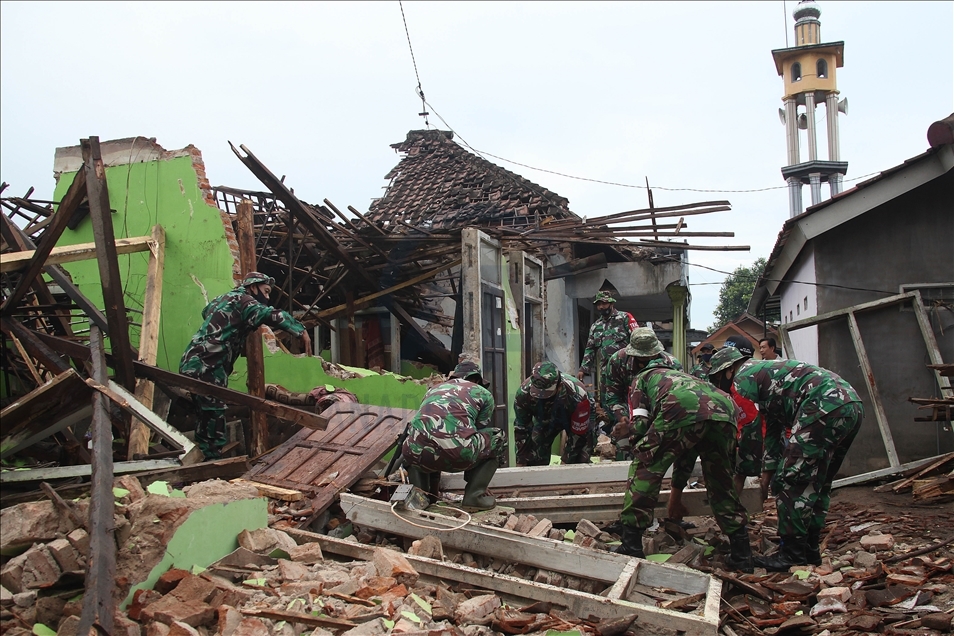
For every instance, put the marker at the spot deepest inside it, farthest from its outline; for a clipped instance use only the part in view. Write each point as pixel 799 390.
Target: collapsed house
pixel 458 258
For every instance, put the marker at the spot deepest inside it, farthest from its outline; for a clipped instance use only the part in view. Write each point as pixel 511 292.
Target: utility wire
pixel 420 91
pixel 484 154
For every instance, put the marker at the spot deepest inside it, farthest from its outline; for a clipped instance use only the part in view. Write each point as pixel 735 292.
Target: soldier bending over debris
pixel 453 432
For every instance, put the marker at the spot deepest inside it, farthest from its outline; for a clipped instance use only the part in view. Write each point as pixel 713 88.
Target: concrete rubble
pixel 273 585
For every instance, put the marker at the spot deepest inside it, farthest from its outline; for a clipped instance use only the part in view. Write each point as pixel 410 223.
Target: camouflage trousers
pixel 533 447
pixel 456 455
pixel 656 452
pixel 812 457
pixel 210 433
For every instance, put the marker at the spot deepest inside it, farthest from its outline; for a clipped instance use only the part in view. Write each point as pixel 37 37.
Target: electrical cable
pixel 435 528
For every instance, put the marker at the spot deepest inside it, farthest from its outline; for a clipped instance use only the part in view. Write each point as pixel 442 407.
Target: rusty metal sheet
pixel 323 463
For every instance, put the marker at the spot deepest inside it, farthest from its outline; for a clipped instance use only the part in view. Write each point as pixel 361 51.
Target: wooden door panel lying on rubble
pixel 323 463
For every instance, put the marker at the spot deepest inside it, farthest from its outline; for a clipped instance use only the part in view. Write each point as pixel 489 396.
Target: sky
pixel 682 93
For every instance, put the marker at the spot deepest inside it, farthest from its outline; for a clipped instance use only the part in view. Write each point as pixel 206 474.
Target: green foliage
pixel 736 292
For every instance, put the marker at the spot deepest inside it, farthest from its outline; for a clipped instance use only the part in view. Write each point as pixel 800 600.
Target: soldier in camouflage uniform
pixel 608 334
pixel 822 413
pixel 619 374
pixel 211 354
pixel 701 369
pixel 684 464
pixel 453 431
pixel 547 403
pixel 680 413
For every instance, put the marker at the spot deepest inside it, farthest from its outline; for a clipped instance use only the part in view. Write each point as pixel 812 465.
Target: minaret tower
pixel 808 70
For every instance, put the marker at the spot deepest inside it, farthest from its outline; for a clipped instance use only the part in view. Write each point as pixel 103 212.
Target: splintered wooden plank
pixel 323 463
pixel 70 253
pixel 44 411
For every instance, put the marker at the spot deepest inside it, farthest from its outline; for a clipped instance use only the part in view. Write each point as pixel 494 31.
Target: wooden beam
pixel 880 473
pixel 149 338
pixel 168 378
pixel 62 401
pixel 15 237
pixel 16 261
pixel 101 217
pixel 82 470
pixel 930 341
pixel 868 372
pixel 129 404
pixel 71 200
pixel 62 279
pixel 50 360
pixel 99 605
pixel 364 300
pixel 245 234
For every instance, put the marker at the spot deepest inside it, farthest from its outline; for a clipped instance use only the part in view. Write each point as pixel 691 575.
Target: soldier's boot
pixel 740 555
pixel 434 486
pixel 419 478
pixel 790 552
pixel 475 492
pixel 812 552
pixel 631 542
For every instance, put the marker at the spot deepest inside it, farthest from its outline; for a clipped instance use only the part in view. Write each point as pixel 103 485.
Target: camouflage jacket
pixel 454 410
pixel 619 374
pixel 790 394
pixel 228 319
pixel 607 336
pixel 675 399
pixel 700 371
pixel 570 399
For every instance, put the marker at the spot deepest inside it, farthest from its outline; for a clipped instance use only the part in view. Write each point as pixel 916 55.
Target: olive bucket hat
pixel 465 369
pixel 643 343
pixel 723 359
pixel 544 380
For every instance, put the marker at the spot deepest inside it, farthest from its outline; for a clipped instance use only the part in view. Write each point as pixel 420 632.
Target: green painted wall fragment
pixel 208 534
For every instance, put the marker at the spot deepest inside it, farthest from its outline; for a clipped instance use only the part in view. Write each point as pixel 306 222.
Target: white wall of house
pixel 560 320
pixel 799 301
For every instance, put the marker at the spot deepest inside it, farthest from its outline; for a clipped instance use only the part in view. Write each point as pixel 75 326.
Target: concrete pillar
pixel 834 183
pixel 831 114
pixel 810 116
pixel 678 295
pixel 815 184
pixel 794 196
pixel 791 130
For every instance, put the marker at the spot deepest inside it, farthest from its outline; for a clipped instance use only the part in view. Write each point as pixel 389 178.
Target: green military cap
pixel 723 359
pixel 257 277
pixel 544 380
pixel 604 297
pixel 643 343
pixel 465 369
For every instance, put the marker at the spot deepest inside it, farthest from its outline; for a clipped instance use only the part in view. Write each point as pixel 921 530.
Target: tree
pixel 736 292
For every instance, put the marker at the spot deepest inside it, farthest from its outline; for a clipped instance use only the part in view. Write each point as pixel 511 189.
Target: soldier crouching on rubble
pixel 546 404
pixel 822 414
pixel 453 432
pixel 211 354
pixel 672 413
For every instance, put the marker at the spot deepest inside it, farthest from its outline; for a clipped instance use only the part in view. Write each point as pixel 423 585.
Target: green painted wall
pixel 196 544
pixel 164 192
pixel 197 256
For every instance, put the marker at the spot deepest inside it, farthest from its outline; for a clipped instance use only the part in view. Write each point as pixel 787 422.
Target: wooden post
pixel 258 443
pixel 100 215
pixel 148 339
pixel 98 602
pixel 880 415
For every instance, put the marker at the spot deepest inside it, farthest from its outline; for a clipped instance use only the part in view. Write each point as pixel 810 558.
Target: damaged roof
pixel 438 184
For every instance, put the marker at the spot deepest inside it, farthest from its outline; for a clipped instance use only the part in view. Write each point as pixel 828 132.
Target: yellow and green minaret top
pixel 808 70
